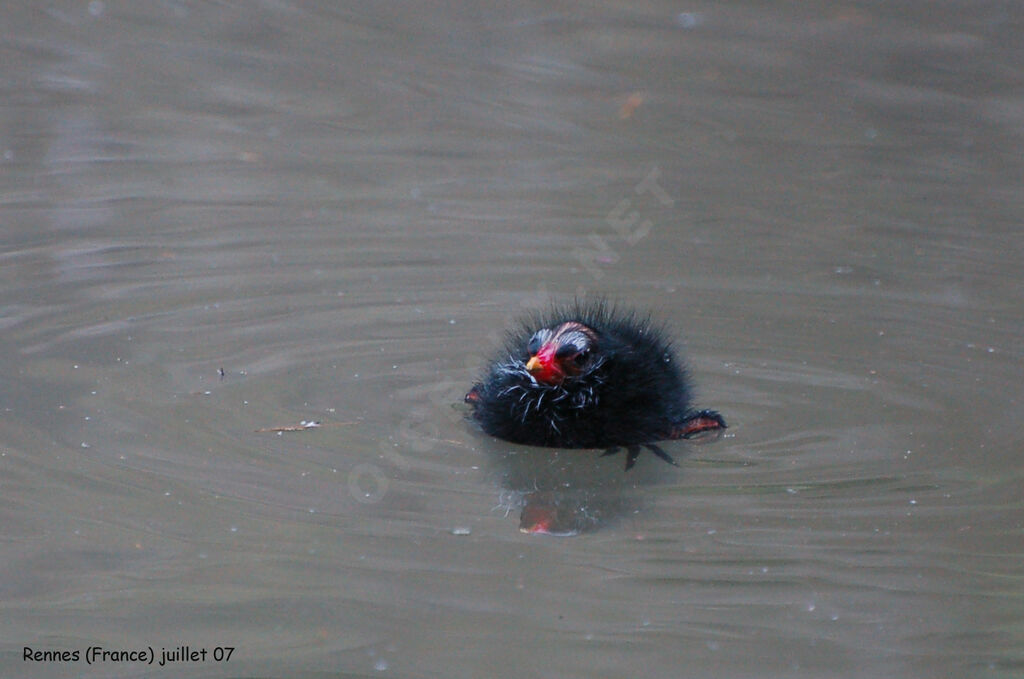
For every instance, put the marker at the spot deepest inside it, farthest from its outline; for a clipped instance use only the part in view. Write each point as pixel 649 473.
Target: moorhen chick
pixel 589 375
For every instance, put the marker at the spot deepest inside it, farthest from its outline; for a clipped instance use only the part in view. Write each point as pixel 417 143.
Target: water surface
pixel 219 218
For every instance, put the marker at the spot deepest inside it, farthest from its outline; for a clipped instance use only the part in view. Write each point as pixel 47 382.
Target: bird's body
pixel 588 376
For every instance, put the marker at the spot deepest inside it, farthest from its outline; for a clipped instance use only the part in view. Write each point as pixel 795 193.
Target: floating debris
pixel 302 426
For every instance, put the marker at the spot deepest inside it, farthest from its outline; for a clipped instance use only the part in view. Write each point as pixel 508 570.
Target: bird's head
pixel 563 351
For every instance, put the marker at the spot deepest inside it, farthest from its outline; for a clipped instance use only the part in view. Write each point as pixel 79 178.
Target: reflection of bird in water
pixel 553 513
pixel 559 494
pixel 589 376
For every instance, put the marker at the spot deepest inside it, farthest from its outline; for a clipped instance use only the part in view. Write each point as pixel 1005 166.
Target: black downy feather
pixel 630 390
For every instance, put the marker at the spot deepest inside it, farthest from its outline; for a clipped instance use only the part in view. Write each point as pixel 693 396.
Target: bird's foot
pixel 657 450
pixel 633 452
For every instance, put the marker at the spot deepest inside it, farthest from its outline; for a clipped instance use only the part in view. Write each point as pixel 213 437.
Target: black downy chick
pixel 589 376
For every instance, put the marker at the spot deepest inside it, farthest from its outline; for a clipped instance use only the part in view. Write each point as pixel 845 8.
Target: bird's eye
pixel 566 351
pixel 571 352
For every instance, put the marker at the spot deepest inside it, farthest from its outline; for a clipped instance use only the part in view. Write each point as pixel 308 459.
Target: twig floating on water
pixel 302 426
